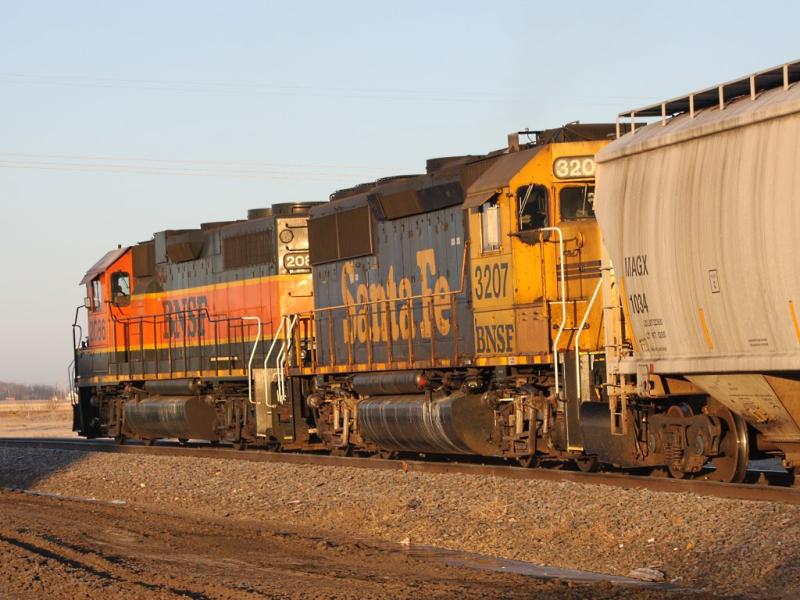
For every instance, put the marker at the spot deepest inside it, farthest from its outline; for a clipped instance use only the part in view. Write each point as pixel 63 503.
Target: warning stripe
pixel 794 320
pixel 706 332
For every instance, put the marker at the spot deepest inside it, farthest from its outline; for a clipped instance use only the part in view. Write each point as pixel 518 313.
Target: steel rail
pixel 738 491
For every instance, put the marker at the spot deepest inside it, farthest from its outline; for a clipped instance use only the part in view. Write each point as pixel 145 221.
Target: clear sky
pixel 118 119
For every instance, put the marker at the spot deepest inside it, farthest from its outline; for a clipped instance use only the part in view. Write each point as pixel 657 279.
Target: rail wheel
pixel 240 445
pixel 677 473
pixel 731 467
pixel 120 440
pixel 528 462
pixel 587 464
pixel 342 451
pixel 386 454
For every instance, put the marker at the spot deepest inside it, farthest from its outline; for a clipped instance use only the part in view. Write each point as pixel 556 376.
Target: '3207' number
pixel 491 281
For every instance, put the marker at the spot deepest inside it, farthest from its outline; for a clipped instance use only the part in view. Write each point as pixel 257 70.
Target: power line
pixel 199 161
pixel 184 172
pixel 300 90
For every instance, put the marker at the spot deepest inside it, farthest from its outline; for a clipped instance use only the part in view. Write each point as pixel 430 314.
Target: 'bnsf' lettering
pixel 636 266
pixel 185 317
pixel 493 339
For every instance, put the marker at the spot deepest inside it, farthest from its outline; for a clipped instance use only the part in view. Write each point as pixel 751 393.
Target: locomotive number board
pixel 574 167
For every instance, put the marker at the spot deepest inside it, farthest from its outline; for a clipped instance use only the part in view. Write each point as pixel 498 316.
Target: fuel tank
pixel 173 387
pixel 456 424
pixel 389 383
pixel 173 417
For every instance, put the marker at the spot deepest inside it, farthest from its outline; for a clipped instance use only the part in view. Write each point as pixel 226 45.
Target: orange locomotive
pixel 176 323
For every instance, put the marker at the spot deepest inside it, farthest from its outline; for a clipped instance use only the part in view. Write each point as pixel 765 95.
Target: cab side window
pixel 577 202
pixel 532 207
pixel 490 225
pixel 96 296
pixel 121 288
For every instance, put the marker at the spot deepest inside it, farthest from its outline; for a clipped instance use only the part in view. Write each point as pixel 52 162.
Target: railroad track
pixel 754 491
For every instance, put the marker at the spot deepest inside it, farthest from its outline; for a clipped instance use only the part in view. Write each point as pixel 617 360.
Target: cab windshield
pixel 532 207
pixel 576 202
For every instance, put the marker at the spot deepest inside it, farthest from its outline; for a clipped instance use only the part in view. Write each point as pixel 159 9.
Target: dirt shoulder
pixel 65 549
pixel 720 545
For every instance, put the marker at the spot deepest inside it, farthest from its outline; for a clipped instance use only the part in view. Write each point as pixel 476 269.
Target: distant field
pixel 35 418
pixel 30 405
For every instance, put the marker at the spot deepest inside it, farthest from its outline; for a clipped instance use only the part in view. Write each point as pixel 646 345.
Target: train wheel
pixel 587 464
pixel 731 467
pixel 677 473
pixel 342 451
pixel 240 445
pixel 528 462
pixel 385 454
pixel 120 440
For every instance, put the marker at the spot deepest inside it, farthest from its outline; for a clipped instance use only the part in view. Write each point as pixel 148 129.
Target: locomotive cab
pixel 537 260
pixel 536 276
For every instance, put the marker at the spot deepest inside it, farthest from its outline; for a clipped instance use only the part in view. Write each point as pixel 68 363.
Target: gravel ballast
pixel 720 545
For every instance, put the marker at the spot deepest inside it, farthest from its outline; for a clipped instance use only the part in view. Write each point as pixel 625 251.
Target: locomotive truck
pixel 474 309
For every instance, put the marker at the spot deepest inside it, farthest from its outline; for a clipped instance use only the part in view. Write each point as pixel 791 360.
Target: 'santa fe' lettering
pixel 383 309
pixel 636 266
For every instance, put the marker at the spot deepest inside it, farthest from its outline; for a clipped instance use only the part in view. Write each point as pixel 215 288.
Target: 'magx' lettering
pixel 490 339
pixel 636 266
pixel 384 310
pixel 185 317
